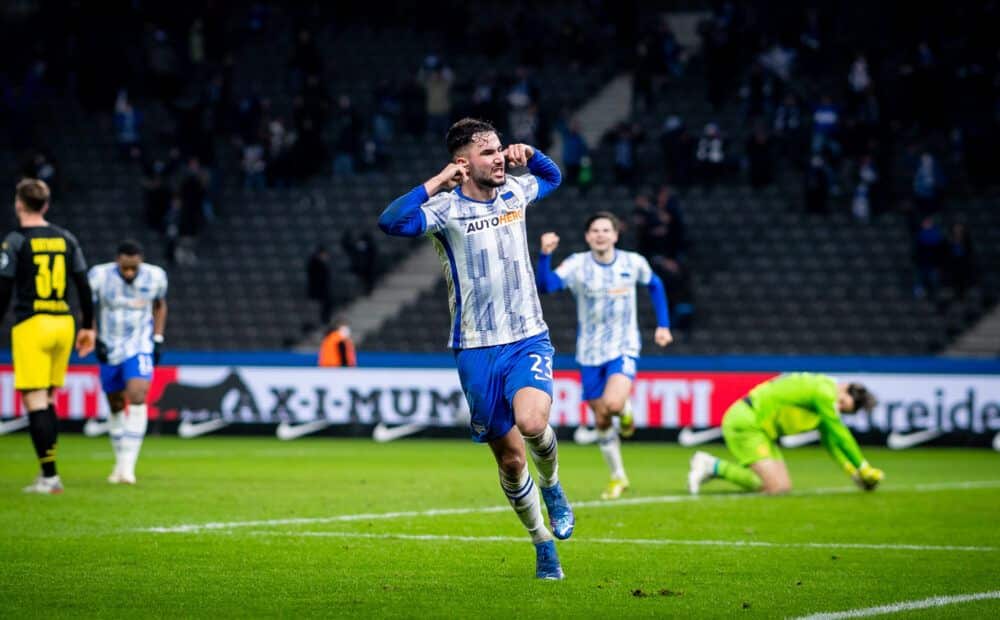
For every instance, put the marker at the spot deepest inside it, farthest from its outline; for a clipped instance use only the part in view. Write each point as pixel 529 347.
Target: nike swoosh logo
pixel 188 429
pixel 383 433
pixel 901 441
pixel 14 425
pixel 584 435
pixel 690 437
pixel 287 432
pixel 799 440
pixel 94 427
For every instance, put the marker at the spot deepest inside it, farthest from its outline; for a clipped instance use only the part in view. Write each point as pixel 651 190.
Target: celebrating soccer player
pixel 603 282
pixel 132 312
pixel 787 405
pixel 35 260
pixel 473 211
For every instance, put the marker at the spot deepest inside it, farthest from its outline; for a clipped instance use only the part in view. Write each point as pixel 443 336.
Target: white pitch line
pixel 631 501
pixel 629 541
pixel 927 603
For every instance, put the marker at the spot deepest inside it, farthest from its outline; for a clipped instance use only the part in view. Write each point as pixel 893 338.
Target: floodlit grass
pixel 91 553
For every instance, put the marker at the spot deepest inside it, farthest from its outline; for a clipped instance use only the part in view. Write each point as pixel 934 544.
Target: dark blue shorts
pixel 114 378
pixel 491 376
pixel 594 378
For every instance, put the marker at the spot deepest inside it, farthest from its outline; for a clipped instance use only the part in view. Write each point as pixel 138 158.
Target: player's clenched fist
pixel 518 154
pixel 550 241
pixel 452 176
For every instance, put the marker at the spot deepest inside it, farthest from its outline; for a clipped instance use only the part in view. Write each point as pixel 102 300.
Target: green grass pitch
pixel 328 527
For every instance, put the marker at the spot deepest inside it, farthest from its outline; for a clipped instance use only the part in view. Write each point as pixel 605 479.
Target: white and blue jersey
pixel 608 327
pixel 500 340
pixel 483 247
pixel 125 309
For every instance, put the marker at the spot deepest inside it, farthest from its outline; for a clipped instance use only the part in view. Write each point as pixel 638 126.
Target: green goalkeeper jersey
pixel 799 402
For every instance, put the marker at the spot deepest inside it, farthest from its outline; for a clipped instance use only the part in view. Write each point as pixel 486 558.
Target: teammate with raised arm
pixel 130 296
pixel 603 281
pixel 36 261
pixel 473 211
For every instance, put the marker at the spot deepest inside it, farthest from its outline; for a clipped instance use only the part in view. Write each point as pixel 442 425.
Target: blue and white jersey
pixel 483 247
pixel 125 310
pixel 605 304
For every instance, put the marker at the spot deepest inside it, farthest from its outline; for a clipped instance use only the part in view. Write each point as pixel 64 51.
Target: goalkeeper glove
pixel 867 477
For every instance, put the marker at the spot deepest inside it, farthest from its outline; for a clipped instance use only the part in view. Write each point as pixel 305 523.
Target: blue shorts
pixel 491 376
pixel 594 378
pixel 114 378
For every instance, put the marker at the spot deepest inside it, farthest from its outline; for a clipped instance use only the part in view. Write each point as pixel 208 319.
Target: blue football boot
pixel 561 517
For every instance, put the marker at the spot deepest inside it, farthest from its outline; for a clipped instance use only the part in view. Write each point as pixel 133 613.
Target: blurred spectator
pixel 306 59
pixel 711 156
pixel 623 139
pixel 928 257
pixel 319 283
pixel 157 196
pixel 778 59
pixel 387 110
pixel 928 184
pixel 789 129
pixel 660 237
pixel 859 82
pixel 128 122
pixel 347 132
pixel 254 167
pixel 960 261
pixel 37 165
pixel 194 207
pixel 678 148
pixel 825 125
pixel 362 254
pixel 574 150
pixel 436 80
pixel 760 158
pixel 817 185
pixel 757 93
pixel 337 348
pixel 861 203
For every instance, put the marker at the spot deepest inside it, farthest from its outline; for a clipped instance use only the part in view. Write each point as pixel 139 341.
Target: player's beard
pixel 487 181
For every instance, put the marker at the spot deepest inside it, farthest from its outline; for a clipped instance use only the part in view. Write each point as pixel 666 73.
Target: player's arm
pixel 658 295
pixel 86 336
pixel 840 443
pixel 539 165
pixel 8 268
pixel 547 280
pixel 404 216
pixel 6 292
pixel 159 325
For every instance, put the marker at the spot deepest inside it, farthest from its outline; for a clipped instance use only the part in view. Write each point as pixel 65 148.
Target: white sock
pixel 544 451
pixel 611 450
pixel 116 430
pixel 523 496
pixel 135 429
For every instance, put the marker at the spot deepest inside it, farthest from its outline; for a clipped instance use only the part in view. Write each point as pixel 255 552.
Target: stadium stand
pixel 767 277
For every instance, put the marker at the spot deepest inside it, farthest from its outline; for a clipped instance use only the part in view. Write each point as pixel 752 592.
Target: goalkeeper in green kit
pixel 787 405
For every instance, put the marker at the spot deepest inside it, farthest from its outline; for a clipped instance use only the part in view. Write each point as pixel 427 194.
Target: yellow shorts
pixel 41 346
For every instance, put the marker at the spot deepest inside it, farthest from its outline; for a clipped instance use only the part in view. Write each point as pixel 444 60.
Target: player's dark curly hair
pixel 460 134
pixel 863 399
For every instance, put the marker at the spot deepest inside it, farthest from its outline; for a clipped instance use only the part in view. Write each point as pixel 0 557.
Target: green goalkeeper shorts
pixel 744 438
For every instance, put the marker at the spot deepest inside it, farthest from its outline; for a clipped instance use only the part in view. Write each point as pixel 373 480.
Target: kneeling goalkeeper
pixel 787 405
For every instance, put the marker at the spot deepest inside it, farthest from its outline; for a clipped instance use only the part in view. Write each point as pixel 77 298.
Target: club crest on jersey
pixel 494 221
pixel 510 201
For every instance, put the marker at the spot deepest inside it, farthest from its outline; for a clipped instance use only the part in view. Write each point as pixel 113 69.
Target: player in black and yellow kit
pixel 37 260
